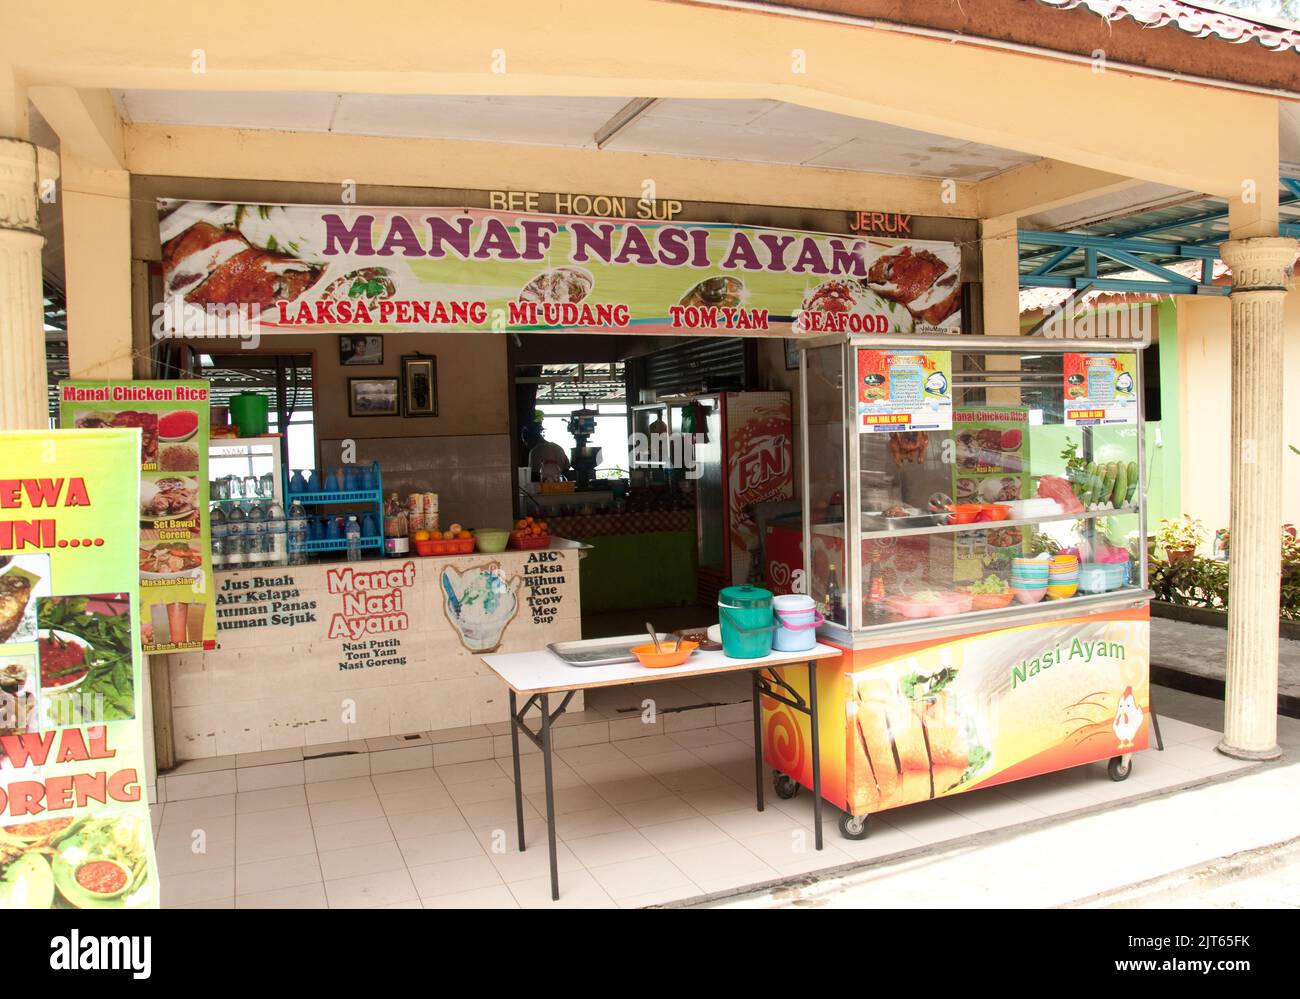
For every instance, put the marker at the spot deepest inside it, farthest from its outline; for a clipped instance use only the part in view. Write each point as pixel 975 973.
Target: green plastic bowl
pixel 491 539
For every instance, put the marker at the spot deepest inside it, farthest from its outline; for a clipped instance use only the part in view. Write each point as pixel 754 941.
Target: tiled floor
pixel 642 821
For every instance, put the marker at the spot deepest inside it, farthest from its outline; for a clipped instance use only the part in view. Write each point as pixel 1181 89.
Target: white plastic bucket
pixel 796 622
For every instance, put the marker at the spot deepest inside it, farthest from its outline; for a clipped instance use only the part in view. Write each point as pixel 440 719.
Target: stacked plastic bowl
pixel 1029 579
pixel 1062 576
pixel 1098 577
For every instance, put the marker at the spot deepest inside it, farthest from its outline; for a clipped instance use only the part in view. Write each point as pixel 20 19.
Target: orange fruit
pixel 465 535
pixel 520 524
pixel 421 535
pixel 454 530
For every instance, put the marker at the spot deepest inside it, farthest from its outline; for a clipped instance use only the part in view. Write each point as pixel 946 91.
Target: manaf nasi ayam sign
pixel 74 818
pixel 352 268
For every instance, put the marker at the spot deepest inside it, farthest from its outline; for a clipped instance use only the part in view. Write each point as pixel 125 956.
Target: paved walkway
pixel 1200 650
pixel 1168 834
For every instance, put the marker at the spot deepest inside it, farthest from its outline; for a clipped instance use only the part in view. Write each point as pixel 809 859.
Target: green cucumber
pixel 1089 482
pixel 1121 486
pixel 1107 483
pixel 1132 482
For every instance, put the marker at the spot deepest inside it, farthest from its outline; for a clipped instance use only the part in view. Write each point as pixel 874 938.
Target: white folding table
pixel 535 676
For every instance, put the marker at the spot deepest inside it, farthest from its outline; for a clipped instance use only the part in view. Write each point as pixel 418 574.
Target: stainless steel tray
pixel 601 651
pixel 878 521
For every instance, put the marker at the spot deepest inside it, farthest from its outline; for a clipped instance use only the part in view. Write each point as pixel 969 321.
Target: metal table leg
pixel 550 793
pixel 542 740
pixel 758 738
pixel 514 750
pixel 816 752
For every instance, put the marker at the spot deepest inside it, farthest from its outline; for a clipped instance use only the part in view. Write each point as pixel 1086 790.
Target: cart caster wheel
pixel 786 787
pixel 855 826
pixel 1119 767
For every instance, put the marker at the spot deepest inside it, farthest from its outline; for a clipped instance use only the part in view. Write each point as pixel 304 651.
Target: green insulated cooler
pixel 745 617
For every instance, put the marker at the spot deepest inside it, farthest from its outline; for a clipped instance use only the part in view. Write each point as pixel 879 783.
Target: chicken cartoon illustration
pixel 1128 719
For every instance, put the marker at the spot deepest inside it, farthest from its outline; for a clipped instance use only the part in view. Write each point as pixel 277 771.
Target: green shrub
pixel 1203 582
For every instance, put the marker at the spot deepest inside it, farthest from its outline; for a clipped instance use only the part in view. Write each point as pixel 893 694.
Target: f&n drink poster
pixel 74 813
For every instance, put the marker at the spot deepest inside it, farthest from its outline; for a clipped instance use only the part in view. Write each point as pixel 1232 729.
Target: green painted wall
pixel 1163 436
pixel 629 571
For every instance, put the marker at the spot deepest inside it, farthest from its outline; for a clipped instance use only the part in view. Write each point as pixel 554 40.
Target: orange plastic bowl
pixel 651 659
pixel 997 511
pixel 965 514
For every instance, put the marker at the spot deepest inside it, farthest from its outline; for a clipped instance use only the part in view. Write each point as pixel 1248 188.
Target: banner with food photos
pixel 175 550
pixel 74 814
pixel 231 268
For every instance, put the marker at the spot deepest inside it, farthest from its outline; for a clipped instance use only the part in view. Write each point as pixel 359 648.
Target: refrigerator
pixel 746 458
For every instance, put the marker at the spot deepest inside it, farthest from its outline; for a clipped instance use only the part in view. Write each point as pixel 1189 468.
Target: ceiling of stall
pixel 758 131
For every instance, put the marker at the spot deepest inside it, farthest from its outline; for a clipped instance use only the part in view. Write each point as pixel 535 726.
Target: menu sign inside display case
pixel 1100 388
pixel 991 466
pixel 175 551
pixel 904 390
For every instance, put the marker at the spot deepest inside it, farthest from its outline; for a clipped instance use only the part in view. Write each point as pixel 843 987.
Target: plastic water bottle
pixel 235 524
pixel 297 534
pixel 369 529
pixel 354 538
pixel 218 527
pixel 276 538
pixel 255 536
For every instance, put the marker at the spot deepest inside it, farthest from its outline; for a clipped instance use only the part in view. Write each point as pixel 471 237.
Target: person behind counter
pixel 547 461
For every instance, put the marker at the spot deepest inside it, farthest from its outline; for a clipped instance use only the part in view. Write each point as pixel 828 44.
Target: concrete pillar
pixel 1000 282
pixel 1260 269
pixel 97 269
pixel 23 399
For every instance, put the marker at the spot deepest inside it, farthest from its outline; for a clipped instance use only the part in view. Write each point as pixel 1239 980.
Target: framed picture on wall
pixel 420 384
pixel 791 353
pixel 374 397
pixel 361 349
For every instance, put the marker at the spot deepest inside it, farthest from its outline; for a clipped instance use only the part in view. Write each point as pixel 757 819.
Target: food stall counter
pixel 332 651
pixel 975 528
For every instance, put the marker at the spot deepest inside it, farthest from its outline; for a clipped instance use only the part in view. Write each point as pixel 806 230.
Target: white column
pixel 23 401
pixel 1260 268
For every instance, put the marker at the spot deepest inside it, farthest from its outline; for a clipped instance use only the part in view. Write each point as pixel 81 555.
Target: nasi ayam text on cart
pixel 1078 649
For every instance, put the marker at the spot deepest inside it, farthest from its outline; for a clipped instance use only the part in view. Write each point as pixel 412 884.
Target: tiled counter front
pixel 328 653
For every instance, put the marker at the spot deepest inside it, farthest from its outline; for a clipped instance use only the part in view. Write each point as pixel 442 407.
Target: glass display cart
pixel 974 533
